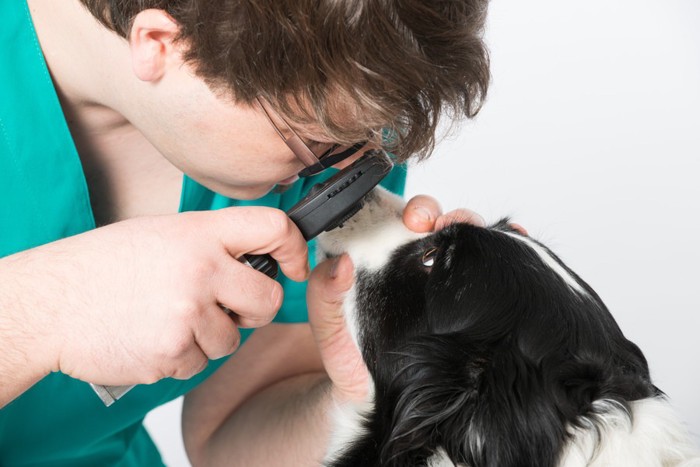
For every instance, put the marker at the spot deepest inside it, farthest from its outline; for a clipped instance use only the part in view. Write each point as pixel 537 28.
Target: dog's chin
pixel 327 247
pixel 372 234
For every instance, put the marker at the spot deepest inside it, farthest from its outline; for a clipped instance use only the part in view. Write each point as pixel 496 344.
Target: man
pixel 116 266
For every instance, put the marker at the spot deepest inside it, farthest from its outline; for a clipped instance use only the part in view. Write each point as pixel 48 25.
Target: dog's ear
pixel 518 420
pixel 485 405
pixel 433 395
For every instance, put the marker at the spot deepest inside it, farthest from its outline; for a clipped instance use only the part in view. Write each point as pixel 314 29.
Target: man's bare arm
pixel 25 353
pixel 271 397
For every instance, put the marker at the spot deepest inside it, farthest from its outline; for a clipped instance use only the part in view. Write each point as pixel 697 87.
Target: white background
pixel 590 138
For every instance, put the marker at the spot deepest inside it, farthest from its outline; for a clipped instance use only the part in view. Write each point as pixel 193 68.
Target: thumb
pixel 329 283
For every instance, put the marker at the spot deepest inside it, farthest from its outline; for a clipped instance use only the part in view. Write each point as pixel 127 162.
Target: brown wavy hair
pixel 390 67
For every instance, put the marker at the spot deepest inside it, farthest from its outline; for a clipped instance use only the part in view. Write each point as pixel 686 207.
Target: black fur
pixel 488 354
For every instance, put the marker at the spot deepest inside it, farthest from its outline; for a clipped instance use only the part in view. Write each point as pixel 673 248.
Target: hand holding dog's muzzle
pixel 329 283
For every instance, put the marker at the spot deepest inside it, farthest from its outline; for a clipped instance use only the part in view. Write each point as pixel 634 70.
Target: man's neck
pixel 85 60
pixel 126 175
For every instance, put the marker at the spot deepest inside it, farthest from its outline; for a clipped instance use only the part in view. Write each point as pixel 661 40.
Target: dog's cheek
pixel 363 312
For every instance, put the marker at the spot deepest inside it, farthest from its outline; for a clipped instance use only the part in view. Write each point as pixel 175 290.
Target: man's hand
pixel 140 300
pixel 328 285
pixel 423 214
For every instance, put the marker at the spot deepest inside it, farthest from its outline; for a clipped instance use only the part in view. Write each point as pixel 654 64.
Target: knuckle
pixel 276 297
pixel 190 371
pixel 201 270
pixel 251 286
pixel 234 343
pixel 178 346
pixel 153 378
pixel 279 222
pixel 200 365
pixel 150 379
pixel 257 321
pixel 186 310
pixel 263 294
pixel 228 346
pixel 268 300
pixel 251 323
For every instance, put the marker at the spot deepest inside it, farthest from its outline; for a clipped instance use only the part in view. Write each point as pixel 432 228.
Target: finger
pixel 421 212
pixel 328 285
pixel 459 215
pixel 519 228
pixel 216 333
pixel 258 230
pixel 190 363
pixel 253 297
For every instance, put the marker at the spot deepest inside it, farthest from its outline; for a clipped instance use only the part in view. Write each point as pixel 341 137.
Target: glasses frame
pixel 314 164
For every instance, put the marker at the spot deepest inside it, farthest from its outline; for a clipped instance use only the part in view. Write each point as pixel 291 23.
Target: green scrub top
pixel 44 197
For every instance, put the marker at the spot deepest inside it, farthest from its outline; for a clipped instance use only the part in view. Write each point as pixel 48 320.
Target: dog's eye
pixel 429 257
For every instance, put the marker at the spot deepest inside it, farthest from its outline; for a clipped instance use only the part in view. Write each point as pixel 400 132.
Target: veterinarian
pixel 137 163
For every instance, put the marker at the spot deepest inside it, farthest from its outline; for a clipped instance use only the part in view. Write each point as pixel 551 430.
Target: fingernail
pixel 341 267
pixel 333 272
pixel 423 213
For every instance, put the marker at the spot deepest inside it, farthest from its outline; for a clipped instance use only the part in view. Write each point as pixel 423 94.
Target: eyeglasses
pixel 314 163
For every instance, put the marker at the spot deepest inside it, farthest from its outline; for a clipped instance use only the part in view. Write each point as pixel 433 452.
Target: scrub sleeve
pixel 43 198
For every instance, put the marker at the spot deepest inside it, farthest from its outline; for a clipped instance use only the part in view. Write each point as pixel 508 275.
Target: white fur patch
pixel 654 438
pixel 439 459
pixel 550 261
pixel 347 426
pixel 347 422
pixel 371 235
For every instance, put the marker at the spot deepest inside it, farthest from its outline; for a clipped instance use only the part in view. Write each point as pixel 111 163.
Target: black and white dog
pixel 486 350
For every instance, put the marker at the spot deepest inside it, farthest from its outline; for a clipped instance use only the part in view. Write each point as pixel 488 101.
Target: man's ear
pixel 152 44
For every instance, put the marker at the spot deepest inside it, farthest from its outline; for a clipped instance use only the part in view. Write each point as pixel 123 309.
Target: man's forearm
pixel 19 369
pixel 16 371
pixel 287 424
